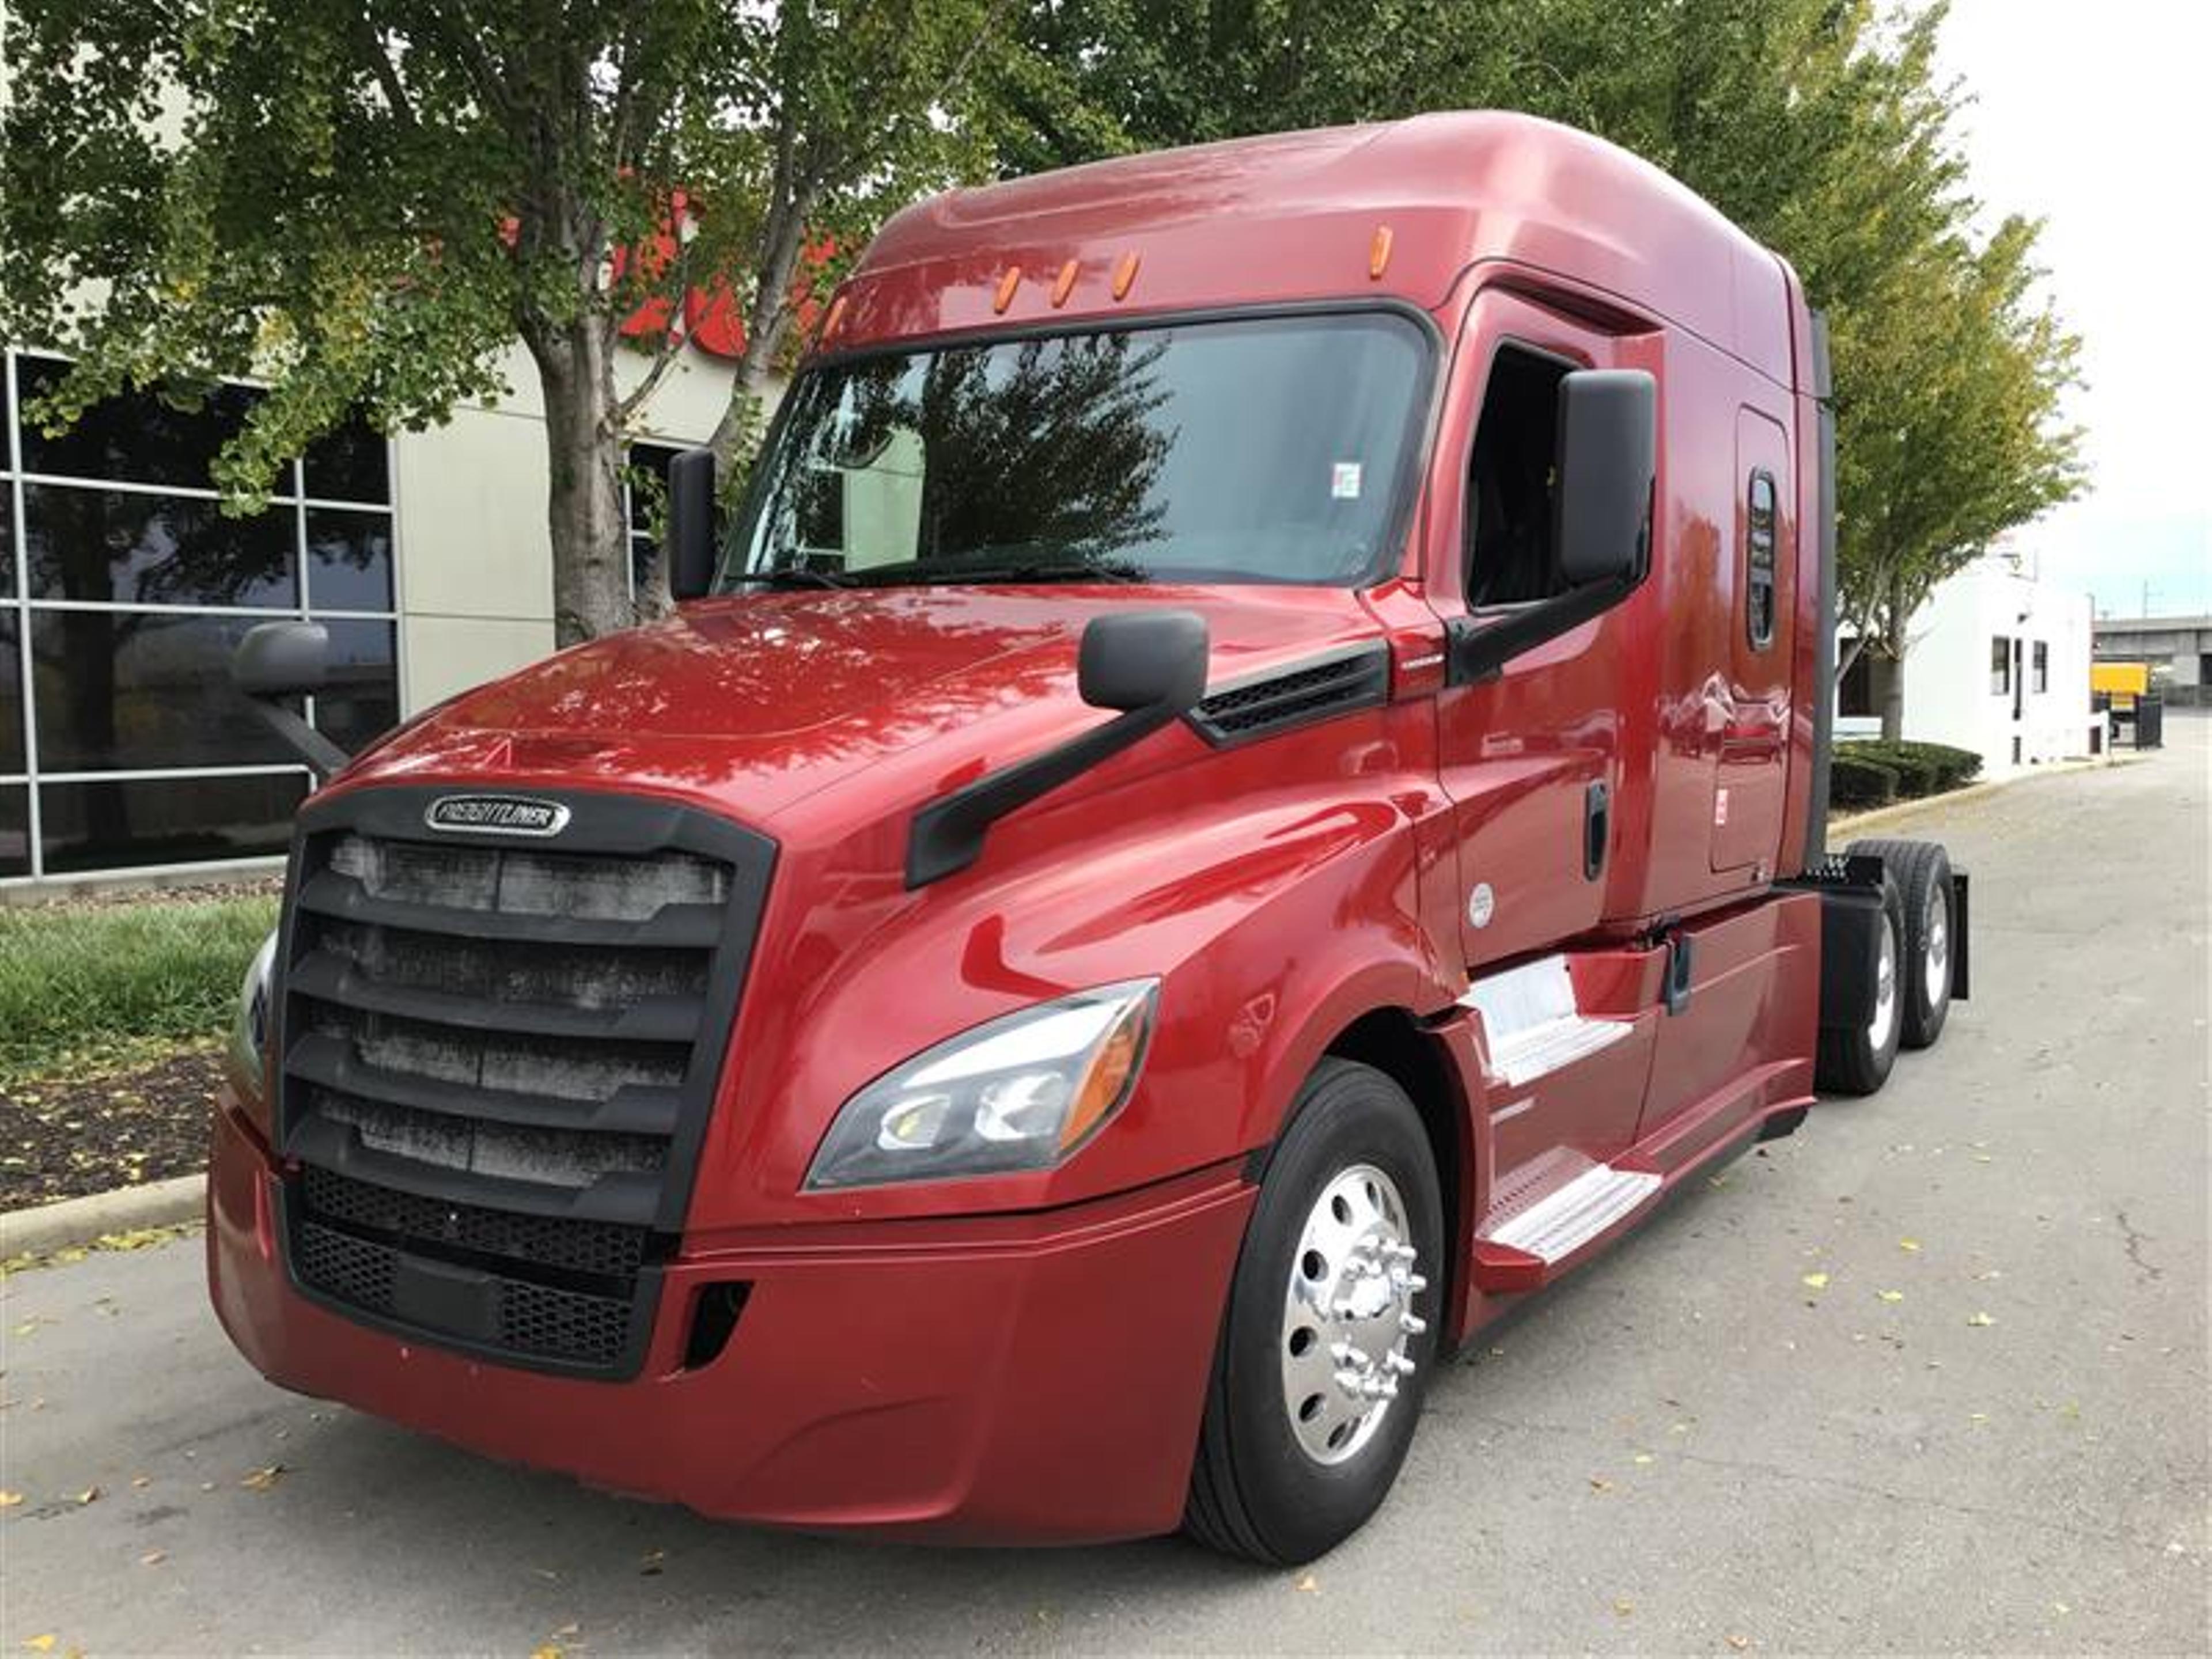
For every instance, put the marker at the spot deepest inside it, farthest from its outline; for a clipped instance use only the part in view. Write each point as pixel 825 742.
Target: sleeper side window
pixel 1510 559
pixel 1759 560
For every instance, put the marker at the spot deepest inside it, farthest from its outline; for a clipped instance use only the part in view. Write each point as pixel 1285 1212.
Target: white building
pixel 1998 662
pixel 123 745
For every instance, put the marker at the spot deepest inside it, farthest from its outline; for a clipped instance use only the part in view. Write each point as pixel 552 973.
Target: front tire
pixel 1330 1336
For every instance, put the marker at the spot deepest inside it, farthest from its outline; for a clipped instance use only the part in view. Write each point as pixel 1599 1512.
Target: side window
pixel 2041 682
pixel 1759 560
pixel 1510 559
pixel 2000 667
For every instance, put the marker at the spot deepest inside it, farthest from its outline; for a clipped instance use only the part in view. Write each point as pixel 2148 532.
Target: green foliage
pixel 1922 768
pixel 80 978
pixel 366 205
pixel 1857 782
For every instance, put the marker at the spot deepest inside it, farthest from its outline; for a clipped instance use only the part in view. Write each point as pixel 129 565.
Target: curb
pixel 46 1228
pixel 1876 817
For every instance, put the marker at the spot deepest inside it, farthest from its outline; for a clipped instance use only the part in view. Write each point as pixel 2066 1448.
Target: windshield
pixel 1265 450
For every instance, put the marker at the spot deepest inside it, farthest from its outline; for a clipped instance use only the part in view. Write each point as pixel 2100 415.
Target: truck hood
pixel 760 701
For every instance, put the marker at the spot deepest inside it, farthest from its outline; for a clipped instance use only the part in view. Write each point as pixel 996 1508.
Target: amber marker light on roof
pixel 1007 284
pixel 1064 284
pixel 1378 253
pixel 836 316
pixel 1124 274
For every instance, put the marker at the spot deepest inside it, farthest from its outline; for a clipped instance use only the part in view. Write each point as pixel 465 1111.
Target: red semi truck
pixel 1245 789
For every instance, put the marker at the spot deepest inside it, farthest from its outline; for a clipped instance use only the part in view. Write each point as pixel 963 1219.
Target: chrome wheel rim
pixel 1935 953
pixel 1884 990
pixel 1348 1315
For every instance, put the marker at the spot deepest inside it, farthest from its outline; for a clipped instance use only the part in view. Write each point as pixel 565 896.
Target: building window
pixel 1855 690
pixel 2040 670
pixel 1999 668
pixel 1509 478
pixel 123 591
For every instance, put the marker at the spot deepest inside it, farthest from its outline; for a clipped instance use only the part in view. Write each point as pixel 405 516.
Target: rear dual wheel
pixel 1922 873
pixel 1856 1060
pixel 1330 1334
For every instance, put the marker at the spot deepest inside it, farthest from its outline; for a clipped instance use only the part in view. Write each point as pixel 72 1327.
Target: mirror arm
pixel 323 757
pixel 948 833
pixel 1479 649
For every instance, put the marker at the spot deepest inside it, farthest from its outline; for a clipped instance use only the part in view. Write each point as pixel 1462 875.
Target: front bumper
pixel 1032 1379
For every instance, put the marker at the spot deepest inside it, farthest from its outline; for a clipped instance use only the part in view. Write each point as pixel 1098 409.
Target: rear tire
pixel 1293 1457
pixel 1857 1061
pixel 1922 870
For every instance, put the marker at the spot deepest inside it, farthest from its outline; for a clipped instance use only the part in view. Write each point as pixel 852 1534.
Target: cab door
pixel 1543 802
pixel 1752 744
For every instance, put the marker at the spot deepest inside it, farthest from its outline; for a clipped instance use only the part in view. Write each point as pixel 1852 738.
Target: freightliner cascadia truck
pixel 1243 789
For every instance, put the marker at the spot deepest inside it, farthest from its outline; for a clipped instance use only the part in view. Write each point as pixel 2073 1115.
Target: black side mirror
pixel 690 530
pixel 1608 453
pixel 1148 665
pixel 280 660
pixel 1142 660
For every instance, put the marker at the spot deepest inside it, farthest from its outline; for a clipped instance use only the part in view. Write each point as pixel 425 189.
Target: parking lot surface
pixel 1930 1375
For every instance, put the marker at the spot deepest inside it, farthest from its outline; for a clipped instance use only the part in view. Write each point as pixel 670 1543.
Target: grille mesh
pixel 490 1065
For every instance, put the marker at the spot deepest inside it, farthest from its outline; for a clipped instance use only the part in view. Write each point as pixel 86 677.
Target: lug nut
pixel 1350 1382
pixel 1412 1284
pixel 1412 1324
pixel 1399 1363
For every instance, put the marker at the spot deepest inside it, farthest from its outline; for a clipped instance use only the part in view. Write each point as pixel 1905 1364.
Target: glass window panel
pixel 138 690
pixel 137 437
pixel 11 697
pixel 7 537
pixel 360 699
pixel 348 560
pixel 154 549
pixel 352 464
pixel 15 829
pixel 107 826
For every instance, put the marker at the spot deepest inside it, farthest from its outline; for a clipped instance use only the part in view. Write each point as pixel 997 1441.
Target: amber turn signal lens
pixel 1378 253
pixel 1007 284
pixel 1110 1076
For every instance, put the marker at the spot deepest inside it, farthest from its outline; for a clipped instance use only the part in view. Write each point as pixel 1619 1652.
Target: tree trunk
pixel 1892 686
pixel 583 499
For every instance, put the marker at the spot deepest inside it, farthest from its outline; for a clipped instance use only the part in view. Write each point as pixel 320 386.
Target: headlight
pixel 249 1032
pixel 1020 1093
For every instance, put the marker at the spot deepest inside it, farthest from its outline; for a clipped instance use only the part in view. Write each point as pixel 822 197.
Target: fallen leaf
pixel 2060 1608
pixel 1980 1319
pixel 40 1643
pixel 1816 1281
pixel 1308 1584
pixel 9 1499
pixel 1599 1485
pixel 1908 1244
pixel 652 1566
pixel 141 1480
pixel 569 1629
pixel 1623 1606
pixel 153 1557
pixel 87 1495
pixel 1978 1416
pixel 546 1650
pixel 1890 1296
pixel 1739 1643
pixel 1642 1457
pixel 262 1479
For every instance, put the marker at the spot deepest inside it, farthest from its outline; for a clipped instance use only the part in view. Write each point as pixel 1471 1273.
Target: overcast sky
pixel 2095 118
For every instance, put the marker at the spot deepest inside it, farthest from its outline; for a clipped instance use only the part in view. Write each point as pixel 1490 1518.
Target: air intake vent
pixel 1296 695
pixel 498 1061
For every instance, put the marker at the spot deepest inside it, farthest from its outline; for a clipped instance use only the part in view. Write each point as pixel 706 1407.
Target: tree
pixel 367 204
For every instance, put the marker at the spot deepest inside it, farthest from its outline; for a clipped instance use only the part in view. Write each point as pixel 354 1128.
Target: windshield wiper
pixel 1041 570
pixel 799 576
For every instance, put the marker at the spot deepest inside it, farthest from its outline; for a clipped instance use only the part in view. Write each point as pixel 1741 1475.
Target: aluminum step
pixel 1533 1025
pixel 1558 1224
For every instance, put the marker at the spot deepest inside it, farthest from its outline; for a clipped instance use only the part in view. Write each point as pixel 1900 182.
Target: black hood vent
pixel 1315 689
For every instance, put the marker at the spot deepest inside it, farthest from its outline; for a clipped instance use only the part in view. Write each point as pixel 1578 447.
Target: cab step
pixel 1532 1022
pixel 1519 1252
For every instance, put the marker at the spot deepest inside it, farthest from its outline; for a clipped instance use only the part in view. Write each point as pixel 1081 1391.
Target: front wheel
pixel 1330 1334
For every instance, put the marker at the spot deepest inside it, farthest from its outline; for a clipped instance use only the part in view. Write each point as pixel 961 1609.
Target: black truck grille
pixel 499 1058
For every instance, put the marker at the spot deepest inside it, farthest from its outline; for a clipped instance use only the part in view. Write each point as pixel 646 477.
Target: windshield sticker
pixel 1344 480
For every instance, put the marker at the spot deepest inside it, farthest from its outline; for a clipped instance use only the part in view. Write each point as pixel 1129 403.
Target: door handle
pixel 1597 826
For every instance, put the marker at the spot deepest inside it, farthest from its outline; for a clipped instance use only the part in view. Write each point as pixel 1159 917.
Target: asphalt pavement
pixel 1929 1376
